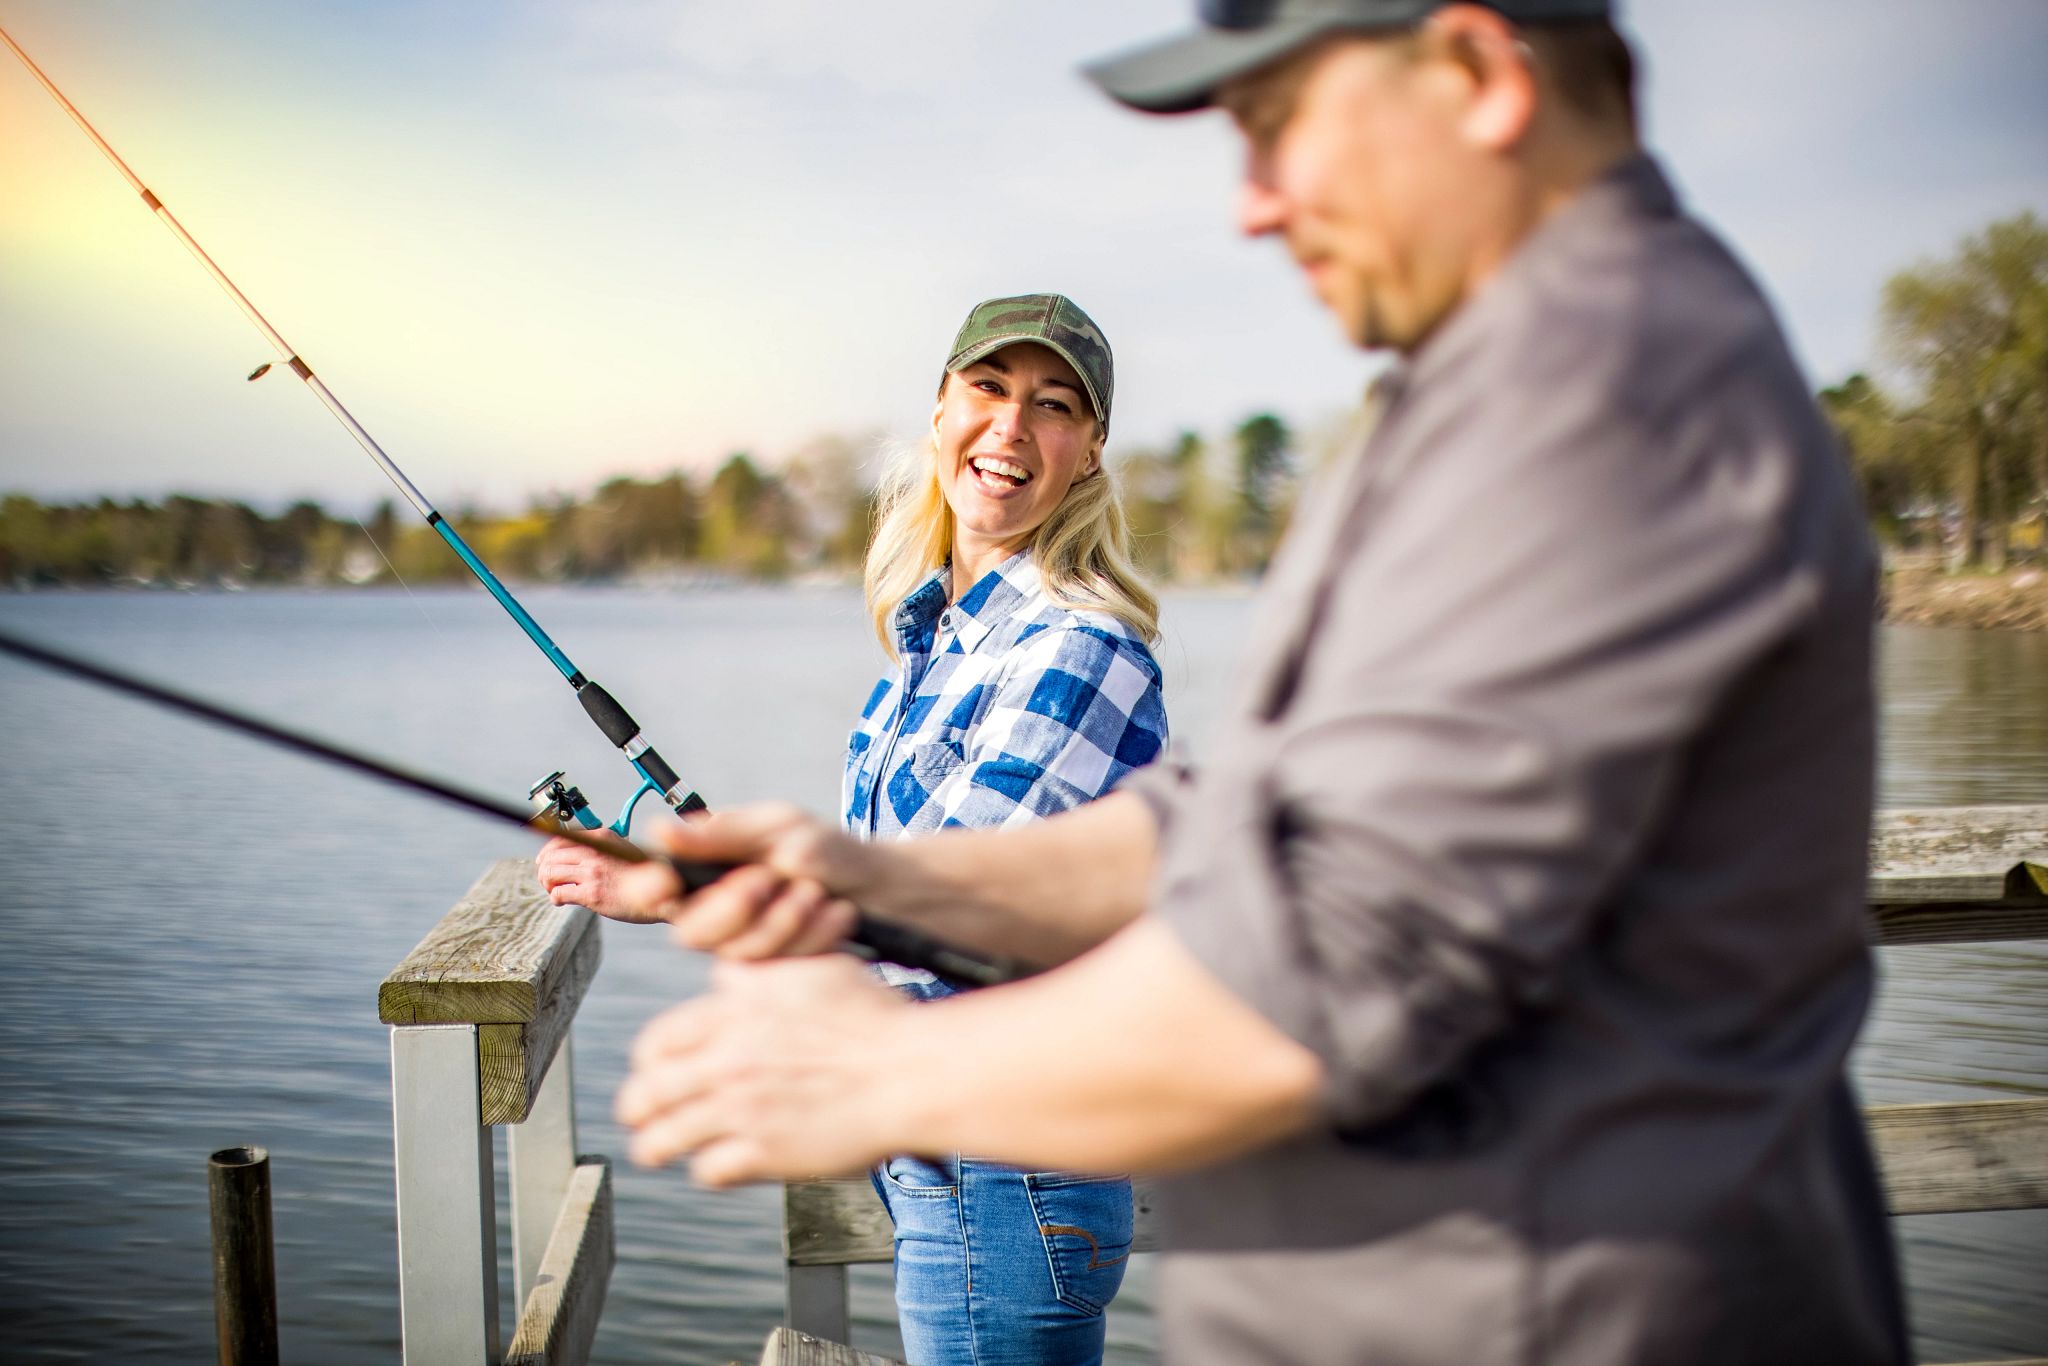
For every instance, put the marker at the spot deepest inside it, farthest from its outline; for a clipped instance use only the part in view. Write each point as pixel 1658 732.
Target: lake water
pixel 195 928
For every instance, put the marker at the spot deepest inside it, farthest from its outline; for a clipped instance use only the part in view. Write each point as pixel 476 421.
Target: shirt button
pixel 946 620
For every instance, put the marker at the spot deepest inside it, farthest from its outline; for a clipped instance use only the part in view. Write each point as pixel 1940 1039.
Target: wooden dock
pixel 481 1013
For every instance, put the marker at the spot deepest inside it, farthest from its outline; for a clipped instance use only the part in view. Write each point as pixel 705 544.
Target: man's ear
pixel 1499 67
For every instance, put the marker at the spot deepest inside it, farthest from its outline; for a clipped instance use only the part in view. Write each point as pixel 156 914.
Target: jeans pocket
pixel 1086 1223
pixel 918 1177
pixel 923 1200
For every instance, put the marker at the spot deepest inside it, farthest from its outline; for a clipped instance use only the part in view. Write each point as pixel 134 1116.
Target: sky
pixel 534 245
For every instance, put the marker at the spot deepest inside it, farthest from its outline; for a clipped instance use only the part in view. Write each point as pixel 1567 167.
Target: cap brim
pixel 988 346
pixel 1181 75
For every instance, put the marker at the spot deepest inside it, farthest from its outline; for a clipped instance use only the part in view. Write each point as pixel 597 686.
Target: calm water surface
pixel 195 928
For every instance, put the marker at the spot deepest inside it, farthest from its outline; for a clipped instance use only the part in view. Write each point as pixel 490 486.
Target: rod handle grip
pixel 888 941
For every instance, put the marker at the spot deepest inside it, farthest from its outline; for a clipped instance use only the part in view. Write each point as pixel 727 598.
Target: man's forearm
pixel 1133 1058
pixel 1044 892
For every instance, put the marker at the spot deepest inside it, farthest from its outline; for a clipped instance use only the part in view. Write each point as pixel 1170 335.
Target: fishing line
pixel 872 939
pixel 656 776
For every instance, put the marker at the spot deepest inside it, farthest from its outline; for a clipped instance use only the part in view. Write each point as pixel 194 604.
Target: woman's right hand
pixel 786 899
pixel 574 874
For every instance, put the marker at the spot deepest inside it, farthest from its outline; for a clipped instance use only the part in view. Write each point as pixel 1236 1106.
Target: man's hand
pixel 780 1072
pixel 1132 1058
pixel 780 904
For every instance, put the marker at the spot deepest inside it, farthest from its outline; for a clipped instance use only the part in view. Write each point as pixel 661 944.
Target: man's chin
pixel 1364 330
pixel 1359 321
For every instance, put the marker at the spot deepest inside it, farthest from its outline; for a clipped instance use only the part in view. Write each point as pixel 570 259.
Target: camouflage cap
pixel 1237 37
pixel 1051 320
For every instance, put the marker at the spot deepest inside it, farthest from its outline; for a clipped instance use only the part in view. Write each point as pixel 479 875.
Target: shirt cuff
pixel 1161 785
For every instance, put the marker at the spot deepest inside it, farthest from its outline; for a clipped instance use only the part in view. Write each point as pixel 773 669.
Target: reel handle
pixel 556 804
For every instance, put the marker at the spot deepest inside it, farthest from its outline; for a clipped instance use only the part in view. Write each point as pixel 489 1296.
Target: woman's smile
pixel 997 476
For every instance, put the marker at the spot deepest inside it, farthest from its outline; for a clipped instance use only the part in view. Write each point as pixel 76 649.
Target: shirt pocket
pixel 916 775
pixel 1087 1223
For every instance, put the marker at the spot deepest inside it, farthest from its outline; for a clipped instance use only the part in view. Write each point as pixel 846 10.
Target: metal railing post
pixel 541 1152
pixel 447 1211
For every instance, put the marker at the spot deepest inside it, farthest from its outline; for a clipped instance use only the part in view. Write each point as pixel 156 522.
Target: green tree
pixel 1263 445
pixel 1896 465
pixel 1972 335
pixel 748 520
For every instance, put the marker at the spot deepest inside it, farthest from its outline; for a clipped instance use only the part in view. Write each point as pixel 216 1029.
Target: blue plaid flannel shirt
pixel 1007 707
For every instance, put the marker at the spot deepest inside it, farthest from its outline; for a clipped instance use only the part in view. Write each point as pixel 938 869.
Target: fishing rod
pixel 656 776
pixel 872 939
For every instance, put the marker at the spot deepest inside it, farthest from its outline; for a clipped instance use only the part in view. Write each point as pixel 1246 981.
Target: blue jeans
pixel 998 1267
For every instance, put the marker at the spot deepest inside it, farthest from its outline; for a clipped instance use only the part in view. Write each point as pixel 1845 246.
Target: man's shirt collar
pixel 1634 187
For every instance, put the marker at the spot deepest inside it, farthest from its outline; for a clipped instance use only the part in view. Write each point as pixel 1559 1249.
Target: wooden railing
pixel 1955 875
pixel 480 1014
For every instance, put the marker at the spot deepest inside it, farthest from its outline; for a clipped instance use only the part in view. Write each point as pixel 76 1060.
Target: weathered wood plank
pixel 496 958
pixel 835 1222
pixel 559 1320
pixel 1942 1158
pixel 1963 854
pixel 513 1059
pixel 1973 1155
pixel 1964 923
pixel 787 1347
pixel 827 1223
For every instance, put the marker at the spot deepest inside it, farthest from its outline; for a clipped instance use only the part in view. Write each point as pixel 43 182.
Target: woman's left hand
pixel 574 874
pixel 781 1072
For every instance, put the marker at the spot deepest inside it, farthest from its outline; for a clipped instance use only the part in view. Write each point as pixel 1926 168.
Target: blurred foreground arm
pixel 1043 892
pixel 1130 1058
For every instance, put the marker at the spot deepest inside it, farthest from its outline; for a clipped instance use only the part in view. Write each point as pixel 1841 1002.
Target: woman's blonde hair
pixel 1083 550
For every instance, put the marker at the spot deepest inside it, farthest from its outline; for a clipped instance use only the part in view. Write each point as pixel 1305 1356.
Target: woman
pixel 1000 585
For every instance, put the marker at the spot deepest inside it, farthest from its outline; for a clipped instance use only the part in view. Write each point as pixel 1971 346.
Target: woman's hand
pixel 787 899
pixel 782 1071
pixel 576 875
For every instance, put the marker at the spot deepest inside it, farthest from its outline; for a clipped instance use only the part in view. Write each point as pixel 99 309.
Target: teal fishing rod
pixel 872 939
pixel 656 776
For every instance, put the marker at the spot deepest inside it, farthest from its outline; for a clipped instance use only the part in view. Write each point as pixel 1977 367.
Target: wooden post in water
pixel 244 1263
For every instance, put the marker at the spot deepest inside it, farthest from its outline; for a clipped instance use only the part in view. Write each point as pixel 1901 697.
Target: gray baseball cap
pixel 1237 37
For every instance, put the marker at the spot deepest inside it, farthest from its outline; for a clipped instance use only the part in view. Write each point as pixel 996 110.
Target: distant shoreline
pixel 2016 600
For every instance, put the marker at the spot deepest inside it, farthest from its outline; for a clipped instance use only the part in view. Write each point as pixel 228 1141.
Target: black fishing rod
pixel 656 775
pixel 872 939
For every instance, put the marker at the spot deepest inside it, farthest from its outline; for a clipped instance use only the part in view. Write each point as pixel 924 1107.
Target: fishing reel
pixel 558 805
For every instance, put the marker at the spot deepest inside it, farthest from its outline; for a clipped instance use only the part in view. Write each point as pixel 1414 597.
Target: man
pixel 1491 980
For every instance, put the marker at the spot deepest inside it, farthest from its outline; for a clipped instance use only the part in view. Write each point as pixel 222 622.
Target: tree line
pixel 1198 513
pixel 1951 451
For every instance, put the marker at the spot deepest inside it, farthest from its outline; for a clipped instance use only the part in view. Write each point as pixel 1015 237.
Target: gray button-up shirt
pixel 1542 821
